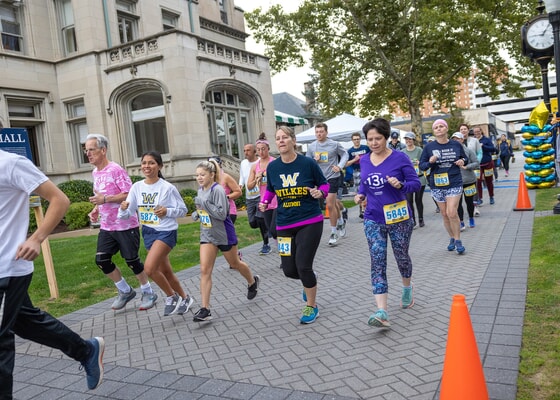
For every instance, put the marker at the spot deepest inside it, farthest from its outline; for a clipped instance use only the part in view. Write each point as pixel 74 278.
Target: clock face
pixel 539 34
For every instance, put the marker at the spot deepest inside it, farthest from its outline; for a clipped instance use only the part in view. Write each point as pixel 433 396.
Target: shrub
pixel 136 178
pixel 188 192
pixel 77 190
pixel 189 202
pixel 77 215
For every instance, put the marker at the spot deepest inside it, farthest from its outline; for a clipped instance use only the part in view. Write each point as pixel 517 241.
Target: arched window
pixel 148 120
pixel 228 115
pixel 140 110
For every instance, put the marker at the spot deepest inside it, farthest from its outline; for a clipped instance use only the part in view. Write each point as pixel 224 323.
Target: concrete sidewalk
pixel 258 349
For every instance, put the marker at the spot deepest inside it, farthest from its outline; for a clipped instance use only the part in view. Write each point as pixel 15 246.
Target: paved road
pixel 258 349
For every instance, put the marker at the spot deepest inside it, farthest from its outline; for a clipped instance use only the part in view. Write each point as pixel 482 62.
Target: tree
pixel 371 54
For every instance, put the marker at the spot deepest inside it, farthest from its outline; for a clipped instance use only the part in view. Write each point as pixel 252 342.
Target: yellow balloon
pixel 531 185
pixel 545 146
pixel 527 135
pixel 529 148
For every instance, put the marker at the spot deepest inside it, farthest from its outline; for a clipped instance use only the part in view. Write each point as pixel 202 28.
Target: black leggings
pixel 417 198
pixel 469 200
pixel 21 318
pixel 505 162
pixel 304 241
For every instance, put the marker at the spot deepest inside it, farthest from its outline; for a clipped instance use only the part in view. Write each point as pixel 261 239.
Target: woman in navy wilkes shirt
pixel 297 182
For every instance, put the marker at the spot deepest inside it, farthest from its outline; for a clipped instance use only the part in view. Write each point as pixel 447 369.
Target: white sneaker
pixel 333 239
pixel 341 228
pixel 476 212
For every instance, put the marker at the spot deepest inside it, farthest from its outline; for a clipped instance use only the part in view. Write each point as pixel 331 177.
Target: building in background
pixel 165 75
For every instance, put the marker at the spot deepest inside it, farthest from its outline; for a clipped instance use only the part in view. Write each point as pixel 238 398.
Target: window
pixel 228 122
pixel 149 124
pixel 223 11
pixel 26 113
pixel 77 126
pixel 67 30
pixel 127 20
pixel 11 30
pixel 169 20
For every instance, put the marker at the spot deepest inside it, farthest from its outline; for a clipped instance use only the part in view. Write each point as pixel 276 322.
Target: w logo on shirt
pixel 290 180
pixel 149 198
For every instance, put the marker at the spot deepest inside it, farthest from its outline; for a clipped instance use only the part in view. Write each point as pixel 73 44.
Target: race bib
pixel 470 190
pixel 441 179
pixel 204 219
pixel 263 180
pixel 323 156
pixel 488 172
pixel 418 172
pixel 396 212
pixel 477 173
pixel 147 216
pixel 284 246
pixel 254 191
pixel 494 156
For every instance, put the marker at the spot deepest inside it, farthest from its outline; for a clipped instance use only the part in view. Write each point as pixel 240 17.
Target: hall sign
pixel 15 140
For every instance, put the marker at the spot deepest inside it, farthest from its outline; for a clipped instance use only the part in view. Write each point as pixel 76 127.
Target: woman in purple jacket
pixel 386 177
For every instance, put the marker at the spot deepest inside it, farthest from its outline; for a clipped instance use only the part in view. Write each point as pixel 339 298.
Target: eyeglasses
pixel 86 151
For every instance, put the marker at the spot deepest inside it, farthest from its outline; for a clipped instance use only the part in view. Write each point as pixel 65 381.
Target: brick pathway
pixel 258 349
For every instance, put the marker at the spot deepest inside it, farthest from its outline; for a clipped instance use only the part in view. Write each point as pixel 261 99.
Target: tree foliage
pixel 371 54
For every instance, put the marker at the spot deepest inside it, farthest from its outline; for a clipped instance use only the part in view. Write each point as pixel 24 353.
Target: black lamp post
pixel 553 9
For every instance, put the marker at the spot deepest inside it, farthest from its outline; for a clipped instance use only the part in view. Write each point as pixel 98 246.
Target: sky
pixel 292 80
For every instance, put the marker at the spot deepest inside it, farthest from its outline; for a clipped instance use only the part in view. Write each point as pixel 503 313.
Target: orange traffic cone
pixel 523 201
pixel 463 377
pixel 326 211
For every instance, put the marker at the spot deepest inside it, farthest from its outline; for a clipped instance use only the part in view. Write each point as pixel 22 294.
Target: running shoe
pixel 93 365
pixel 480 202
pixel 265 250
pixel 451 245
pixel 459 246
pixel 333 239
pixel 407 298
pixel 310 314
pixel 476 212
pixel 379 319
pixel 172 304
pixel 252 289
pixel 437 210
pixel 471 223
pixel 203 314
pixel 492 201
pixel 341 228
pixel 462 226
pixel 361 216
pixel 345 214
pixel 148 301
pixel 122 299
pixel 422 223
pixel 185 305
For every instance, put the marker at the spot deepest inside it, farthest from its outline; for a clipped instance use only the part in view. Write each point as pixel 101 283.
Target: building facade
pixel 165 75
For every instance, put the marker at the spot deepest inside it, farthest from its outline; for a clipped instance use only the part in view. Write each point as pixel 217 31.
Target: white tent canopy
pixel 340 129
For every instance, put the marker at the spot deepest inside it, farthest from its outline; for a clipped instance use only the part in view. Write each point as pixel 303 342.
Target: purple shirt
pixel 379 193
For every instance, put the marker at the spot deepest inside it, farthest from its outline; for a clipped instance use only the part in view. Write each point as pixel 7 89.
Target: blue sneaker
pixel 407 299
pixel 93 365
pixel 310 314
pixel 462 226
pixel 451 245
pixel 471 223
pixel 460 247
pixel 492 200
pixel 265 250
pixel 379 319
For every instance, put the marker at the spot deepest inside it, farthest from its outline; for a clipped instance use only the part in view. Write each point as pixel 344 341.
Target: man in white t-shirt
pixel 18 316
pixel 252 197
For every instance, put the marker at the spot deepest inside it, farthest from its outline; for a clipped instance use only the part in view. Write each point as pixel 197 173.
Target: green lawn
pixel 539 369
pixel 81 283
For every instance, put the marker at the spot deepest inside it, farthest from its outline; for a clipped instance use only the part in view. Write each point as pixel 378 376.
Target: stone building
pixel 165 75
